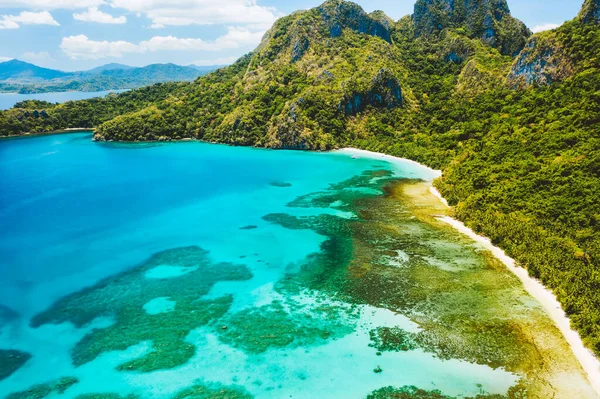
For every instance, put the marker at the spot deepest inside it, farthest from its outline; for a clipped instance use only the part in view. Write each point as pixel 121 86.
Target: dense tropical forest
pixel 513 119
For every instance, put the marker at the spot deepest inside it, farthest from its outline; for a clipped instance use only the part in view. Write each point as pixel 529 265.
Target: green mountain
pixel 516 135
pixel 21 77
pixel 23 71
pixel 109 67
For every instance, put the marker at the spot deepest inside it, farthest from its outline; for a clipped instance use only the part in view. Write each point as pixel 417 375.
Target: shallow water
pixel 191 270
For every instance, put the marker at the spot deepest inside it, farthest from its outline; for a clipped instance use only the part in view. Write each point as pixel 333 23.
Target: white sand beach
pixel 356 153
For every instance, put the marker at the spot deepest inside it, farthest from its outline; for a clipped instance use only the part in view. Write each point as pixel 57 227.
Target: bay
pixel 182 270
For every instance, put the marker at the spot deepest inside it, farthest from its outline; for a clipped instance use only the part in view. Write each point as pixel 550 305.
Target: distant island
pixel 25 78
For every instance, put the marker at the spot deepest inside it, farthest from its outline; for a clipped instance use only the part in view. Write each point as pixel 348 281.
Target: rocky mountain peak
pixel 590 12
pixel 489 20
pixel 296 33
pixel 339 15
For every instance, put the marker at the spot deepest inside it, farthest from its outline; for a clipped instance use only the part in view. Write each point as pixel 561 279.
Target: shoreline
pixel 56 132
pixel 355 152
pixel 543 295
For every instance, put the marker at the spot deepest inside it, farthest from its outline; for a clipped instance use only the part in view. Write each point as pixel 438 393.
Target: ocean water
pixel 8 100
pixel 153 270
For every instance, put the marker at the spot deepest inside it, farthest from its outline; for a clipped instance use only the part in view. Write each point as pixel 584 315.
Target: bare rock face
pixel 542 62
pixel 590 12
pixel 300 31
pixel 339 15
pixel 385 92
pixel 489 20
pixel 545 58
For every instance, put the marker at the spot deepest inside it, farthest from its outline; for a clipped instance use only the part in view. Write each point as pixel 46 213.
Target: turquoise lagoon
pixel 112 252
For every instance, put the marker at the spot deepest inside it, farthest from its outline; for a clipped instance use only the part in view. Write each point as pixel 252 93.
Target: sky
pixel 81 34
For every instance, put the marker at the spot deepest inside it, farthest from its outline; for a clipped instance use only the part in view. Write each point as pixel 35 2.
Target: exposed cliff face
pixel 590 12
pixel 295 33
pixel 543 61
pixel 339 15
pixel 489 20
pixel 384 92
pixel 554 56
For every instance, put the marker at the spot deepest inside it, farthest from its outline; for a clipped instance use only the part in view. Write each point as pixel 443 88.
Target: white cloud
pixel 4 59
pixel 50 4
pixel 201 12
pixel 93 14
pixel 236 37
pixel 27 18
pixel 81 47
pixel 170 12
pixel 543 27
pixel 7 23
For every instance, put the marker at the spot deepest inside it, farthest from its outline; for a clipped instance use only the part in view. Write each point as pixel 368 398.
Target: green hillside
pixel 512 120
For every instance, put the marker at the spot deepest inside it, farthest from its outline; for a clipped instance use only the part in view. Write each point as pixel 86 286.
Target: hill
pixel 109 67
pixel 516 135
pixel 16 70
pixel 21 77
pixel 154 73
pixel 204 69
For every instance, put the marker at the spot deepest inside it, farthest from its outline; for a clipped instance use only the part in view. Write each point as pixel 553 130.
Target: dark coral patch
pixel 202 391
pixel 410 392
pixel 42 391
pixel 11 361
pixel 184 275
pixel 281 184
pixel 275 326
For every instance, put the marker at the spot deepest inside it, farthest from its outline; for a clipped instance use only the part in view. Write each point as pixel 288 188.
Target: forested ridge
pixel 24 78
pixel 512 119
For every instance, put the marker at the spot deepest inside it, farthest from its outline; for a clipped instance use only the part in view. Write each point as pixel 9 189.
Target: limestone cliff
pixel 489 20
pixel 554 56
pixel 543 61
pixel 590 12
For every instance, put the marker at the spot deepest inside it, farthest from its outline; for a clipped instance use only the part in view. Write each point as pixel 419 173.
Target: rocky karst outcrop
pixel 489 20
pixel 298 31
pixel 542 61
pixel 339 15
pixel 590 12
pixel 384 92
pixel 292 129
pixel 545 58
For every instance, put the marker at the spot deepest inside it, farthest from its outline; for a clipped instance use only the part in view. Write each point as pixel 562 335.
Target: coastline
pixel 355 152
pixel 56 132
pixel 544 296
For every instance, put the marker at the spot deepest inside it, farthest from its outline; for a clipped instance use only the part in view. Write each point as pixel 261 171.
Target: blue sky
pixel 82 34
